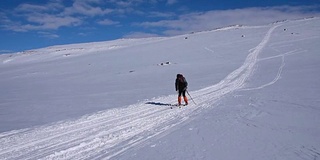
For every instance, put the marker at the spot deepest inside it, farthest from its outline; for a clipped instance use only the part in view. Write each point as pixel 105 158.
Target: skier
pixel 181 87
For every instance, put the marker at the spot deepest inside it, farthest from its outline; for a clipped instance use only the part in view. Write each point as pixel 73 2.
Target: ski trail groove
pixel 278 76
pixel 108 134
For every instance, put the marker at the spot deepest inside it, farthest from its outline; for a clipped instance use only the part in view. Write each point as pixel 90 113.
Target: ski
pixel 176 105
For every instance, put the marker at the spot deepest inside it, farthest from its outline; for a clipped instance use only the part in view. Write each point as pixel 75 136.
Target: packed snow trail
pixel 107 134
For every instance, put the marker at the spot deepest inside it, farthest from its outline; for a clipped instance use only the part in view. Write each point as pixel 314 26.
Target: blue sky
pixel 32 24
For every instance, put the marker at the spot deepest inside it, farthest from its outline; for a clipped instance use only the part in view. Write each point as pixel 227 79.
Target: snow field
pixel 112 132
pixel 243 116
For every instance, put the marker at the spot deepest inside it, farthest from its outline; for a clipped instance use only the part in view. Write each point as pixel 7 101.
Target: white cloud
pixel 199 21
pixel 171 2
pixel 38 17
pixel 55 14
pixel 82 34
pixel 161 14
pixel 45 22
pixel 85 8
pixel 126 3
pixel 4 18
pixel 108 22
pixel 51 16
pixel 49 22
pixel 31 8
pixel 48 35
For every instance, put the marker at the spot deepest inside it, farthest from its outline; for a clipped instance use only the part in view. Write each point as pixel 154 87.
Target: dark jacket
pixel 181 83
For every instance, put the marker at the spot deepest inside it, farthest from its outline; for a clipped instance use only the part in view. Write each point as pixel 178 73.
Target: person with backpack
pixel 181 87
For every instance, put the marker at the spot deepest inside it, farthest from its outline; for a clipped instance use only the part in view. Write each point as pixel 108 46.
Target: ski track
pixel 278 76
pixel 107 134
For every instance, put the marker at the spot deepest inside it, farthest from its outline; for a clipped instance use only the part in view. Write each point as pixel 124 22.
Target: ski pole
pixel 191 98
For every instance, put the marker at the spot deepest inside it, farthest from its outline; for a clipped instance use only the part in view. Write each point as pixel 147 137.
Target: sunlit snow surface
pixel 256 91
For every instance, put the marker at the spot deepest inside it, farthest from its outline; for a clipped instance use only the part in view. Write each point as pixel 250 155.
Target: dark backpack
pixel 183 81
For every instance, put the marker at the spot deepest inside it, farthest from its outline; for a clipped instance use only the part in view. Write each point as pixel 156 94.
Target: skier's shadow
pixel 159 103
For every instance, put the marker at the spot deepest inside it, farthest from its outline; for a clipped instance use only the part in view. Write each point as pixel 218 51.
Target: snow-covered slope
pixel 256 91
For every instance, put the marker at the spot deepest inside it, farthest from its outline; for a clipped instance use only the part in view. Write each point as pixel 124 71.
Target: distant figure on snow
pixel 181 87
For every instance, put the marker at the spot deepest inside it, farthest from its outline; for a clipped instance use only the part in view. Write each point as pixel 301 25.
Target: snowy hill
pixel 256 90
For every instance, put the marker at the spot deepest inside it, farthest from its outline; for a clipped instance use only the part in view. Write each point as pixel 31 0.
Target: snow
pixel 256 90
